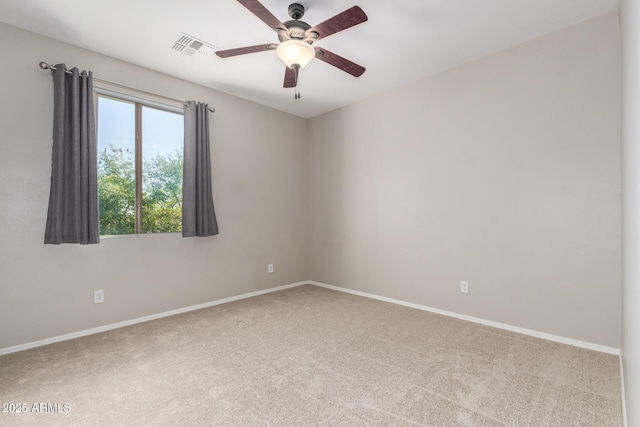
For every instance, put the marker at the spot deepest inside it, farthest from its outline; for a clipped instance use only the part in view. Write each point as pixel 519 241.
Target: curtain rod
pixel 46 66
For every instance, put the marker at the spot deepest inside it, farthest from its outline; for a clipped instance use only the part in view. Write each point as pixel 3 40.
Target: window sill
pixel 118 236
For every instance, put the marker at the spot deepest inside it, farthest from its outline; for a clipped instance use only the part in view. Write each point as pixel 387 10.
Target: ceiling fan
pixel 296 39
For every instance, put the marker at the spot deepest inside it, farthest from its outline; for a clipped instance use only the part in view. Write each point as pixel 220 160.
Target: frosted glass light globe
pixel 295 53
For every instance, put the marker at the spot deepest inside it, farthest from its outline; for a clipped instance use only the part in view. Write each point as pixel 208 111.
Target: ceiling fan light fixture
pixel 295 53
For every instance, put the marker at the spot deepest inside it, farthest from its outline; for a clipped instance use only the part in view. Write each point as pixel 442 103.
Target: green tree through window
pixel 162 193
pixel 116 191
pixel 146 198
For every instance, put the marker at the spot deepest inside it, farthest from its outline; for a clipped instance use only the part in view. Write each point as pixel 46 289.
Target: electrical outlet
pixel 464 287
pixel 270 268
pixel 98 296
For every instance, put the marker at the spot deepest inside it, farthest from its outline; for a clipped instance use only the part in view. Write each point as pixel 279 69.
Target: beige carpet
pixel 310 356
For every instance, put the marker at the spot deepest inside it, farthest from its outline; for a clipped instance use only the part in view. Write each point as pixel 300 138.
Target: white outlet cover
pixel 98 296
pixel 464 287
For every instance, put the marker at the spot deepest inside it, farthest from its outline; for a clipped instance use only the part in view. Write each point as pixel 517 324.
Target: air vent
pixel 192 46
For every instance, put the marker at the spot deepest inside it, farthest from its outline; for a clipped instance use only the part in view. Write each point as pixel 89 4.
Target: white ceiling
pixel 403 41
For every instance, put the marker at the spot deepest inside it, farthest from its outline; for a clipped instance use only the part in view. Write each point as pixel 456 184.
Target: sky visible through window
pixel 162 131
pixel 116 124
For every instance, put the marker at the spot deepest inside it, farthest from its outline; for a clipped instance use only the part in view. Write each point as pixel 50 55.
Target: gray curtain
pixel 73 200
pixel 198 215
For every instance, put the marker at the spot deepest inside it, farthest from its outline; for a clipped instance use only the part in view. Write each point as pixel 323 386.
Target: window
pixel 140 154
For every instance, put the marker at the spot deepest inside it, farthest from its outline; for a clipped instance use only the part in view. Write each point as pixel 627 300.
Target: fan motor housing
pixel 297 30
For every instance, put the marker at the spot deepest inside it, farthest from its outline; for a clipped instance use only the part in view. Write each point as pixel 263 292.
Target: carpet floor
pixel 310 356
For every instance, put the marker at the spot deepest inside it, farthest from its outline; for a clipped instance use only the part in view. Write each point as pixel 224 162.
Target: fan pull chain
pixel 297 93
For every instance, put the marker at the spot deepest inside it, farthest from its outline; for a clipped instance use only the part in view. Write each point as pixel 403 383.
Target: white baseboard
pixel 543 335
pixel 550 337
pixel 105 328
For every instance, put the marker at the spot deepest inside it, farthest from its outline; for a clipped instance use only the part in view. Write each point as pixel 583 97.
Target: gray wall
pixel 630 14
pixel 504 172
pixel 259 188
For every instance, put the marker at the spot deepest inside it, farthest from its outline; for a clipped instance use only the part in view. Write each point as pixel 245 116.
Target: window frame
pixel 138 101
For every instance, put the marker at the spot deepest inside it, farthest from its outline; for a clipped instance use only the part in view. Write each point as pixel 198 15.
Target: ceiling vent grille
pixel 192 46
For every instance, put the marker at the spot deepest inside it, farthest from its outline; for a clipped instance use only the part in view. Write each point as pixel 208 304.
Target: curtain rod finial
pixel 44 65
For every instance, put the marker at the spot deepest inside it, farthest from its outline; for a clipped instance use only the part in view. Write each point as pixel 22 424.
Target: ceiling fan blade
pixel 341 21
pixel 263 13
pixel 339 62
pixel 290 77
pixel 244 50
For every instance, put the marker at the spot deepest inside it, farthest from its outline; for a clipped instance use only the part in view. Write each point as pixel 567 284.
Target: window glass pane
pixel 116 166
pixel 162 149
